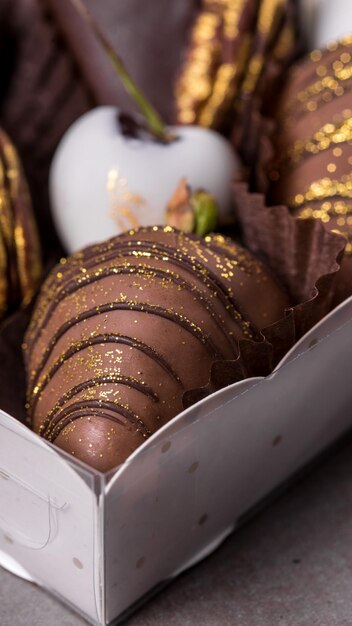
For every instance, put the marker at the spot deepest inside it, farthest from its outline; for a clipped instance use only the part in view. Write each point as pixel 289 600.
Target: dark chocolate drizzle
pixel 80 413
pixel 92 383
pixel 88 279
pixel 179 259
pixel 86 343
pixel 78 409
pixel 106 251
pixel 317 202
pixel 147 308
pixel 125 306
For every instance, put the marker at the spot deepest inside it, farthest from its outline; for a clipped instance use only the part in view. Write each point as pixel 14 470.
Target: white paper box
pixel 100 542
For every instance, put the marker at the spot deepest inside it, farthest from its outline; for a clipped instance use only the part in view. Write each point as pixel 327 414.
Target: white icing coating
pixel 102 182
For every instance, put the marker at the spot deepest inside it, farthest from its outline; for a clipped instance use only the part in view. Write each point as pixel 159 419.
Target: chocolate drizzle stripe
pixel 174 256
pixel 115 407
pixel 96 407
pixel 52 429
pixel 176 318
pixel 149 245
pixel 93 383
pixel 78 415
pixel 95 255
pixel 89 279
pixel 161 250
pixel 102 339
pixel 318 201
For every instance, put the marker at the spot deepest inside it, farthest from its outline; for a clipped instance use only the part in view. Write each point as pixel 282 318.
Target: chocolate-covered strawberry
pixel 123 329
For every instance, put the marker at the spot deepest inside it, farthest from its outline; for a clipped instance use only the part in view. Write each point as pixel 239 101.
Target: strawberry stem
pixel 155 124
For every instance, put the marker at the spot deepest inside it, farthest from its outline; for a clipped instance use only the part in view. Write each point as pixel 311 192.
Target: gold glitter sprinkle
pixel 325 188
pixel 321 70
pixel 316 55
pixel 323 139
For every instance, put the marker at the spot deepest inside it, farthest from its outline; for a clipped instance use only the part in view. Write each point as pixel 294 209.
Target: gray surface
pixel 290 566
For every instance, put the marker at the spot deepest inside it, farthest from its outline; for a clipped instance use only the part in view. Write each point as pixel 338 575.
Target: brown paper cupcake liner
pixel 258 149
pixel 274 49
pixel 305 258
pixel 265 156
pixel 255 359
pixel 301 253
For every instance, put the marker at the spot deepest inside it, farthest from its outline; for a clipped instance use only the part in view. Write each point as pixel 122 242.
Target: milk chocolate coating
pixel 123 329
pixel 312 170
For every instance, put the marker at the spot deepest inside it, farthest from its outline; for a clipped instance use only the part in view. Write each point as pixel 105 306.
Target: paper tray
pixel 101 542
